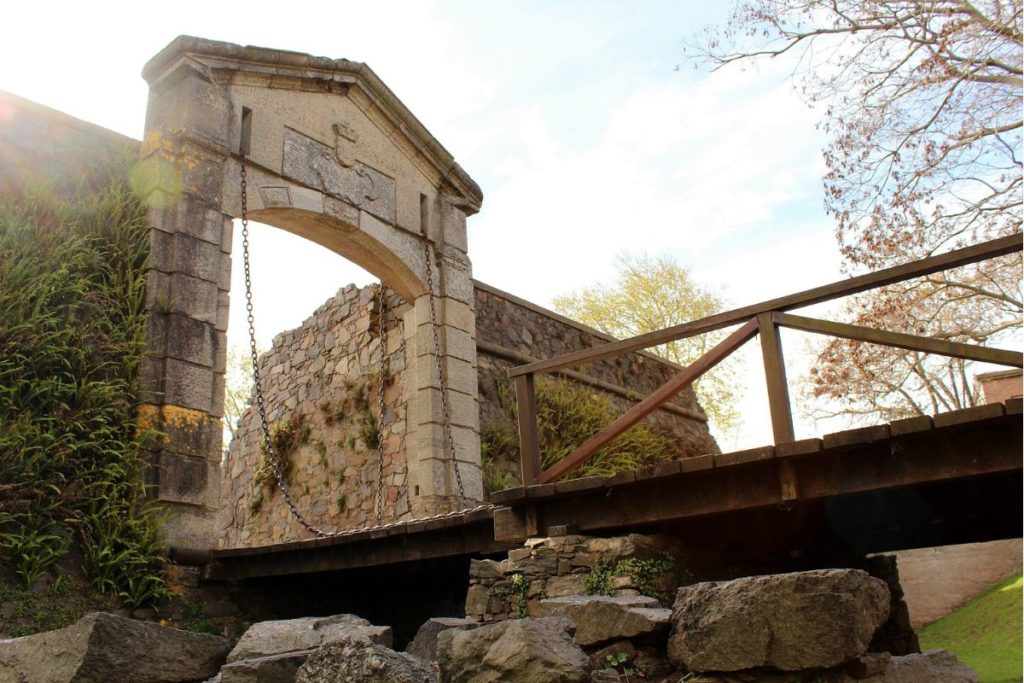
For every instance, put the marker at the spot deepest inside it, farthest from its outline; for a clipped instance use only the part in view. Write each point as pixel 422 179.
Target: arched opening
pixel 333 386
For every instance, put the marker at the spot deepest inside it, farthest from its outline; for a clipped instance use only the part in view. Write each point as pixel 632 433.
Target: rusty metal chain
pixel 268 442
pixel 446 416
pixel 382 337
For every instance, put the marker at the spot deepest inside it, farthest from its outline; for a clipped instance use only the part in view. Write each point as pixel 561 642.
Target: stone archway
pixel 334 156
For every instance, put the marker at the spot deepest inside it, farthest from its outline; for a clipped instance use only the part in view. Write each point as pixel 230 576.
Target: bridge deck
pixel 962 468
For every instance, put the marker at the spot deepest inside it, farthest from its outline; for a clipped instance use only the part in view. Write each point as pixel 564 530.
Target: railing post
pixel 529 439
pixel 775 377
pixel 778 397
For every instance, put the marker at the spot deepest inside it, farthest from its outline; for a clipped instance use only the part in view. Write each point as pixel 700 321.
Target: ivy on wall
pixel 72 331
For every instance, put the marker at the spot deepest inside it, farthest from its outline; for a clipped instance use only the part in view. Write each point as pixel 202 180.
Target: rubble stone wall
pixel 511 331
pixel 321 382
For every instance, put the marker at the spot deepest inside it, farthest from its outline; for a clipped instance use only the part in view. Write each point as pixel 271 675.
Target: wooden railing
pixel 763 319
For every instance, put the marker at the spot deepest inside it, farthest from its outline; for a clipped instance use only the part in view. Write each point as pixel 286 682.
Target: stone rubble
pixel 803 627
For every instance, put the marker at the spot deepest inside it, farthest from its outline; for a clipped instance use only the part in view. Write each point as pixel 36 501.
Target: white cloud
pixel 675 169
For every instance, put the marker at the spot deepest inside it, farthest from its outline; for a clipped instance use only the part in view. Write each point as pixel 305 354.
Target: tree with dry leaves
pixel 922 106
pixel 650 294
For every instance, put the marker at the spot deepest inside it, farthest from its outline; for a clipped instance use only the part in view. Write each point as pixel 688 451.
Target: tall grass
pixel 72 285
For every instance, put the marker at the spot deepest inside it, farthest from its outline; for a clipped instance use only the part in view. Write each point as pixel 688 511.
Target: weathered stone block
pixel 535 650
pixel 315 165
pixel 358 659
pixel 806 620
pixel 187 385
pixel 191 340
pixel 568 584
pixel 280 668
pixel 290 635
pixel 184 480
pixel 600 619
pixel 424 645
pixel 104 647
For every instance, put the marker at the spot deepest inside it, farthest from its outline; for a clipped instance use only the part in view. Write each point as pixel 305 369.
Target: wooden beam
pixel 901 341
pixel 529 439
pixel 778 400
pixel 775 378
pixel 641 410
pixel 834 290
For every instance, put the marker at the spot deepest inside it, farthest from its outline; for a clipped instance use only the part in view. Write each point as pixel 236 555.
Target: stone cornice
pixel 304 71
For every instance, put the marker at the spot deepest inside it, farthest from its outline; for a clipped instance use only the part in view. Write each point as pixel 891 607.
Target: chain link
pixel 382 337
pixel 268 443
pixel 446 415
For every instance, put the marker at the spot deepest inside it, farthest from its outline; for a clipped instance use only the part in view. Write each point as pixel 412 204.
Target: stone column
pixel 433 484
pixel 187 298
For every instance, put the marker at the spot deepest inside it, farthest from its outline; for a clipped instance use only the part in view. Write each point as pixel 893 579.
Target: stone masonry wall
pixel 321 379
pixel 559 566
pixel 512 332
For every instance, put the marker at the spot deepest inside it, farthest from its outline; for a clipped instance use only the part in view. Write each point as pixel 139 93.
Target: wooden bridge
pixel 953 477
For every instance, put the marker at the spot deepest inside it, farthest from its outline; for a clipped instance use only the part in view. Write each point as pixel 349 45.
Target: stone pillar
pixel 433 484
pixel 186 299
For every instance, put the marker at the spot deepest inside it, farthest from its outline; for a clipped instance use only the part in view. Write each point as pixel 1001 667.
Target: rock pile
pixel 806 627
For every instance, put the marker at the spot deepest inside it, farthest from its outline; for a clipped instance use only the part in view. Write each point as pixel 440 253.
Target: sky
pixel 582 122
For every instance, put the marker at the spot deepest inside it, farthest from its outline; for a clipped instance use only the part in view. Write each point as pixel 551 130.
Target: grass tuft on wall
pixel 72 287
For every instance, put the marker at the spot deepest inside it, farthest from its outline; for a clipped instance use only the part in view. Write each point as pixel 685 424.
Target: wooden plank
pixel 789 489
pixel 509 525
pixel 622 478
pixel 506 496
pixel 911 425
pixel 744 457
pixel 696 463
pixel 540 491
pixel 856 437
pixel 963 416
pixel 791 449
pixel 834 290
pixel 662 469
pixel 582 484
pixel 529 439
pixel 775 378
pixel 898 340
pixel 1013 406
pixel 649 404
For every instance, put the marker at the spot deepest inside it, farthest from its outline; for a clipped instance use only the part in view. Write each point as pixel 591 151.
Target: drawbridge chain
pixel 268 443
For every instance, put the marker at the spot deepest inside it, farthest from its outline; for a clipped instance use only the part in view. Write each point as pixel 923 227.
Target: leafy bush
pixel 72 286
pixel 567 415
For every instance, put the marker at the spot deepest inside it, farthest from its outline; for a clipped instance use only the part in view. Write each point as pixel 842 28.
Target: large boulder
pixel 534 650
pixel 602 619
pixel 356 658
pixel 424 645
pixel 104 647
pixel 806 620
pixel 308 633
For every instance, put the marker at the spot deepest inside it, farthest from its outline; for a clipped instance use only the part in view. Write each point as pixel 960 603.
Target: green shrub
pixel 567 415
pixel 72 330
